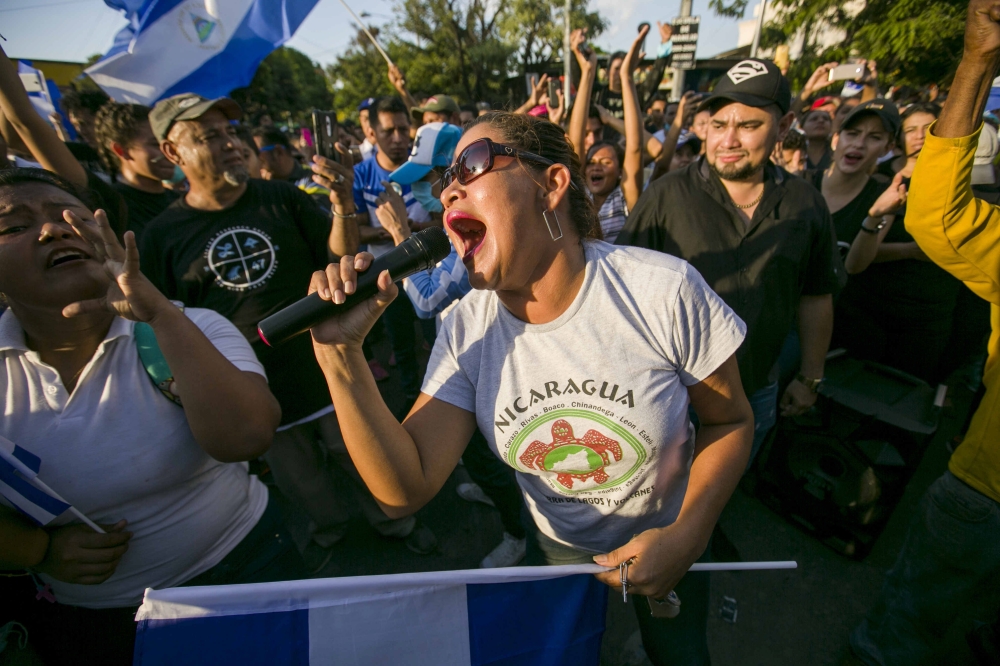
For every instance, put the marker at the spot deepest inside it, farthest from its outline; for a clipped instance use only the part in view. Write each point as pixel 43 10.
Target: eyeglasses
pixel 477 159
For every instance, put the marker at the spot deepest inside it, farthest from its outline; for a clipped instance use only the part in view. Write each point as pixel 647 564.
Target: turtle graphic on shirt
pixel 571 458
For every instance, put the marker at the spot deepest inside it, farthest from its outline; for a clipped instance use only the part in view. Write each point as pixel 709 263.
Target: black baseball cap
pixel 188 106
pixel 752 82
pixel 885 110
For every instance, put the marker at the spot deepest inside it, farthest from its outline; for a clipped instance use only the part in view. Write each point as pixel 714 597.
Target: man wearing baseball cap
pixel 762 238
pixel 438 109
pixel 246 249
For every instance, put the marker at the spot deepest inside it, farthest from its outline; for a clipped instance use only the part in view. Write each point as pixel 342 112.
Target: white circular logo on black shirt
pixel 241 258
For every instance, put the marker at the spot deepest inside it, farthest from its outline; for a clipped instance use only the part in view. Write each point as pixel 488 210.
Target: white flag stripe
pixel 165 52
pixel 26 505
pixel 388 625
pixel 186 602
pixel 7 453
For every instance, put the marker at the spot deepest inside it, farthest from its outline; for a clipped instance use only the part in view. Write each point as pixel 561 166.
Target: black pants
pixel 77 636
pixel 679 641
pixel 497 480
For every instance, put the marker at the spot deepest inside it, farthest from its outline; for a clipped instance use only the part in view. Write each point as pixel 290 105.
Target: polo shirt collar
pixel 12 335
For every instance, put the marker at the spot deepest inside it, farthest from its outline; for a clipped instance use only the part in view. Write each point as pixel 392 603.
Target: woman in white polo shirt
pixel 578 361
pixel 167 481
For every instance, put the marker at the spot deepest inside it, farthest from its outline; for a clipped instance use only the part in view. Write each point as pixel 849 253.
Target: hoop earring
pixel 545 216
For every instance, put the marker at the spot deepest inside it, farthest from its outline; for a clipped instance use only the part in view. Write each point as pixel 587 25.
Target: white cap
pixel 986 152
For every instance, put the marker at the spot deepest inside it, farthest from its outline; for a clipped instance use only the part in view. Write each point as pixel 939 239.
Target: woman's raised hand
pixel 633 56
pixel 130 294
pixel 335 284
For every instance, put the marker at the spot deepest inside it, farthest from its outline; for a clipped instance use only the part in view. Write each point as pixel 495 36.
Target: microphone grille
pixel 436 241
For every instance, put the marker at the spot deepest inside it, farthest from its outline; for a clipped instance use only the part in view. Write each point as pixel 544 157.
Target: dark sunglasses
pixel 477 159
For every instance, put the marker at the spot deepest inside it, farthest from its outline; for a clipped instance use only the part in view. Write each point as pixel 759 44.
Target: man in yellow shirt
pixel 952 550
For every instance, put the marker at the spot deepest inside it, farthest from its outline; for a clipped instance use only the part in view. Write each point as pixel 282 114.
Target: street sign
pixel 685 41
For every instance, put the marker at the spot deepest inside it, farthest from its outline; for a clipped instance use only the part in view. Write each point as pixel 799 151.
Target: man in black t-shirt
pixel 246 249
pixel 762 239
pixel 129 149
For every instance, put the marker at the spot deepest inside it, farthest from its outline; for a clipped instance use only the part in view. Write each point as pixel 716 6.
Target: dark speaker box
pixel 839 470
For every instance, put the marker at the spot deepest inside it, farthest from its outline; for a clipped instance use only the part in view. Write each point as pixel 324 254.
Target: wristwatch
pixel 811 384
pixel 879 227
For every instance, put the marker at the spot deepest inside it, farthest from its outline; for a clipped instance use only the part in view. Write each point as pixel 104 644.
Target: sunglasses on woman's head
pixel 477 159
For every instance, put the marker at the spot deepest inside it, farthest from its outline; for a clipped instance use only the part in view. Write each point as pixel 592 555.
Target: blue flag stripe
pixel 248 640
pixel 28 459
pixel 547 622
pixel 28 492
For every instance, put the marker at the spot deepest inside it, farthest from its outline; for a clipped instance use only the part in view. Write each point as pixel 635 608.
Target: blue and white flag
pixel 520 616
pixel 18 468
pixel 208 47
pixel 37 87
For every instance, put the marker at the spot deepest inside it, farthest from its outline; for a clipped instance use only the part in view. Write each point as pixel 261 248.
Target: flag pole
pixel 370 35
pixel 38 483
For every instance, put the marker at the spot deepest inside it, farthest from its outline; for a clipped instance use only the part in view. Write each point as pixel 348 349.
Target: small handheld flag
pixel 20 485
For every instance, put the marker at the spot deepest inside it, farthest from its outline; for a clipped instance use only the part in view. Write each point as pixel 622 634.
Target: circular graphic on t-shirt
pixel 577 450
pixel 241 258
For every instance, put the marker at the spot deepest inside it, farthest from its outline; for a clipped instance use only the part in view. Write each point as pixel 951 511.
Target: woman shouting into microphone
pixel 578 360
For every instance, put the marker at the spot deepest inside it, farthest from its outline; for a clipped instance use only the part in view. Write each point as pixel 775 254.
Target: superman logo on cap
pixel 745 70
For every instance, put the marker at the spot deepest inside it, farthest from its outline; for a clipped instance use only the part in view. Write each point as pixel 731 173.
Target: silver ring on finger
pixel 339 179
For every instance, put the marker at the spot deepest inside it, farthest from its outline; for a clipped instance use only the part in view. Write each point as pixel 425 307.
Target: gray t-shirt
pixel 591 409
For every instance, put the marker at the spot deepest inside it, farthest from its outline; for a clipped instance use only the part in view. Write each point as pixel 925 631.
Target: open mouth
pixel 853 159
pixel 595 181
pixel 471 234
pixel 63 257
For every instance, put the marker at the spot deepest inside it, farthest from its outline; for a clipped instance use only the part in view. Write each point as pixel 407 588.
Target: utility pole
pixel 678 88
pixel 760 27
pixel 567 55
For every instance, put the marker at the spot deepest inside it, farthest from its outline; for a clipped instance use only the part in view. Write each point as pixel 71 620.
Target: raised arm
pixel 403 464
pixel 684 108
pixel 957 231
pixel 581 106
pixel 37 134
pixel 231 412
pixel 632 166
pixel 664 53
pixel 399 83
pixel 534 99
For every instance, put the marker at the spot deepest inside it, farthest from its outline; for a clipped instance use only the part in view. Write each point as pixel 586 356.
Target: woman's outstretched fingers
pixel 362 261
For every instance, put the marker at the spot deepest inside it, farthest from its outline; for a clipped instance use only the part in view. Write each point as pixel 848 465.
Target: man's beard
pixel 738 173
pixel 236 175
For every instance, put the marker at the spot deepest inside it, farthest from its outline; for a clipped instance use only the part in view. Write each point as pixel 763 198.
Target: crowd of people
pixel 637 291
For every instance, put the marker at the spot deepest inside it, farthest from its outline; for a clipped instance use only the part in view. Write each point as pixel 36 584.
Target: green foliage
pixel 464 48
pixel 535 29
pixel 734 9
pixel 287 86
pixel 915 42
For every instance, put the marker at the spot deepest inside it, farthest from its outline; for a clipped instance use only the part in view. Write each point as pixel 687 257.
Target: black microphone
pixel 419 252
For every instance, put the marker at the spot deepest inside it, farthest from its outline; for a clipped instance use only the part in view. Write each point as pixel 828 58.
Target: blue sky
pixel 74 29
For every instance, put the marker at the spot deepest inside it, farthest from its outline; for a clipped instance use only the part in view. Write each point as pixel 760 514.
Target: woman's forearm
pixel 719 462
pixel 866 247
pixel 383 451
pixel 232 413
pixel 632 167
pixel 581 109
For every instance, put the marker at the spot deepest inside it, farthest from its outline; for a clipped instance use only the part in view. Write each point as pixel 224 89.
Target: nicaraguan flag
pixel 523 616
pixel 17 469
pixel 208 47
